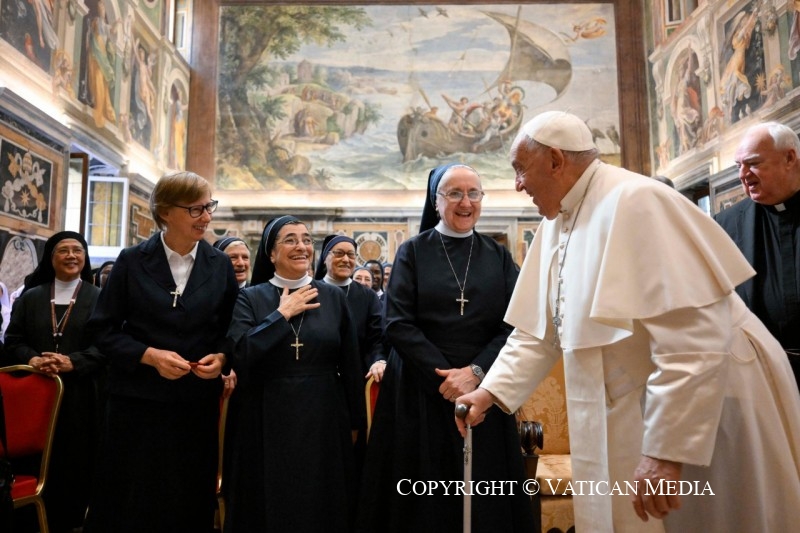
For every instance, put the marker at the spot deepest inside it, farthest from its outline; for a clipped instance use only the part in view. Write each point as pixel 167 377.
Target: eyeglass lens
pixel 457 196
pixel 338 254
pixel 295 242
pixel 195 211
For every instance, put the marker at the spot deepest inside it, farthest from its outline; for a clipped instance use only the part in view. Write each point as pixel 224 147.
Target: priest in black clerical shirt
pixel 765 228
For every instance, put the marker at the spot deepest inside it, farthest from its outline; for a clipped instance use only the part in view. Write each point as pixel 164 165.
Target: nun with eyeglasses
pixel 301 395
pixel 161 320
pixel 48 332
pixel 448 292
pixel 336 266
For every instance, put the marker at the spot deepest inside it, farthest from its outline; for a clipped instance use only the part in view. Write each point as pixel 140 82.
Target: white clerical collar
pixel 578 191
pixel 64 290
pixel 170 252
pixel 328 279
pixel 290 283
pixel 780 207
pixel 444 230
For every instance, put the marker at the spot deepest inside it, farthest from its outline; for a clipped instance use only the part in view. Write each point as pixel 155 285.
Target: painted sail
pixel 537 54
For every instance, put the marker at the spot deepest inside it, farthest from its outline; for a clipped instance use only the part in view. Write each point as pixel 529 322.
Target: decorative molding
pixel 22 115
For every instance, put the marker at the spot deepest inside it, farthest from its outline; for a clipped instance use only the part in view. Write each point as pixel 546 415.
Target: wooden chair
pixel 548 406
pixel 371 390
pixel 31 400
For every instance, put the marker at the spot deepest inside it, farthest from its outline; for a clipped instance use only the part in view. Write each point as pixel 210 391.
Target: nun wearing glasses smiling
pixel 446 298
pixel 162 320
pixel 300 390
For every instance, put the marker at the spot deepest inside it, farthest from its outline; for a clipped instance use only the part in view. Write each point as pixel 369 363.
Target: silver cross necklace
pixel 560 280
pixel 461 286
pixel 296 344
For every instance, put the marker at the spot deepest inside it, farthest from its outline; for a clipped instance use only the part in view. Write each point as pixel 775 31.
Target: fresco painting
pixel 109 67
pixel 686 105
pixel 99 71
pixel 372 97
pixel 742 62
pixel 143 94
pixel 30 26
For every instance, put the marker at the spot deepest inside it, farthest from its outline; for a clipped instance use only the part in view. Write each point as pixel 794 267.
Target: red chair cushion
pixel 23 486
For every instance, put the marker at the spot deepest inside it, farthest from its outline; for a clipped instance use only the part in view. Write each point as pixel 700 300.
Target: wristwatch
pixel 478 371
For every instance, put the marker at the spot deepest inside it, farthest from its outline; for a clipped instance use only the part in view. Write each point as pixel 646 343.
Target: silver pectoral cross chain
pixel 557 307
pixel 297 344
pixel 557 314
pixel 461 286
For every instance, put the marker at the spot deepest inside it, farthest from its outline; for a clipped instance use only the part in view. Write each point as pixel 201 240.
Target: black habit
pixel 366 311
pixel 769 238
pixel 292 457
pixel 414 436
pixel 29 333
pixel 160 444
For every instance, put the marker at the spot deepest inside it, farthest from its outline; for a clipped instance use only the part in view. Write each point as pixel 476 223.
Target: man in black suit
pixel 766 228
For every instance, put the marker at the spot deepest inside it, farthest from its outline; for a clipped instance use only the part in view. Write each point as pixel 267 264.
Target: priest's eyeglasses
pixel 292 241
pixel 196 211
pixel 457 196
pixel 338 254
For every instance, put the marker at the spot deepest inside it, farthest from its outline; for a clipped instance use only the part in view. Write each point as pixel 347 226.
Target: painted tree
pixel 252 39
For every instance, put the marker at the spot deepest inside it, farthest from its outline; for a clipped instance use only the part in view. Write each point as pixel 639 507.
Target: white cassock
pixel 662 358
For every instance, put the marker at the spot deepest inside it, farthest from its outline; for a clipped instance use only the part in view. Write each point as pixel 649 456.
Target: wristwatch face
pixel 477 371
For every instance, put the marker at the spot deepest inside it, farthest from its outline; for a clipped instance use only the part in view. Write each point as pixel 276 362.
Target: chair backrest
pixel 548 406
pixel 31 400
pixel 371 395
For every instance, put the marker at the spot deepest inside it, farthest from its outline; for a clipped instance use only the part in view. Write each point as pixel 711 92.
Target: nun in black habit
pixel 48 331
pixel 301 387
pixel 446 299
pixel 335 267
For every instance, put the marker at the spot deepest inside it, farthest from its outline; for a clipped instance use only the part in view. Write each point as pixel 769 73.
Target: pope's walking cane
pixel 461 412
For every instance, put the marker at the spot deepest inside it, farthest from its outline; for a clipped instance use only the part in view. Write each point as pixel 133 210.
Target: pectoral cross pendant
pixel 557 315
pixel 463 301
pixel 175 295
pixel 297 344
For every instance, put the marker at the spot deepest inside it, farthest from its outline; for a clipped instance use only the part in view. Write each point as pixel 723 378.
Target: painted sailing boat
pixel 537 54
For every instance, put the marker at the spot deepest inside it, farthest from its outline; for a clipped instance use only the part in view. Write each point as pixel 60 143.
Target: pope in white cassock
pixel 669 376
